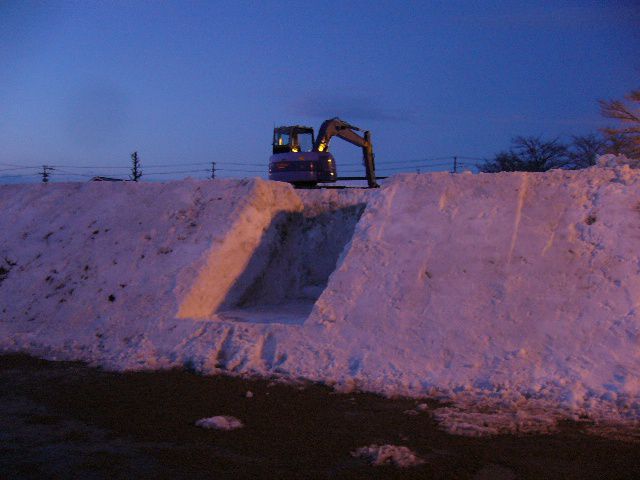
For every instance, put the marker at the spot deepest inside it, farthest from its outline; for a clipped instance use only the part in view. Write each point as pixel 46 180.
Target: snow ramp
pixel 85 264
pixel 513 286
pixel 148 275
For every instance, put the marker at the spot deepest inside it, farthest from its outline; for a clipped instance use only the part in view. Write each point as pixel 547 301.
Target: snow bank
pixel 513 294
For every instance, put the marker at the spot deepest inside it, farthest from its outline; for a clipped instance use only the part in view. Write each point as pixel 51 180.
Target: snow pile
pixel 400 457
pixel 516 296
pixel 220 422
pixel 612 161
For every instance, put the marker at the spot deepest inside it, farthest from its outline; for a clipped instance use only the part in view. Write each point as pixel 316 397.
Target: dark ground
pixel 66 420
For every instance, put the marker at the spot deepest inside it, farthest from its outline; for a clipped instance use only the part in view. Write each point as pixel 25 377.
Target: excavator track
pixel 340 187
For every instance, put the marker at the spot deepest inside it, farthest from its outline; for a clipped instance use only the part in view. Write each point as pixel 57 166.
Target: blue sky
pixel 83 84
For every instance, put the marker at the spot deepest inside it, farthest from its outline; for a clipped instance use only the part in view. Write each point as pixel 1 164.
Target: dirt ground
pixel 66 420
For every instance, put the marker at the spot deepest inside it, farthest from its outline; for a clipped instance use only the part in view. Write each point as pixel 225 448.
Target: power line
pixel 420 160
pixel 159 165
pixel 234 169
pixel 21 176
pixel 177 173
pixel 107 167
pixel 64 172
pixel 244 164
pixel 240 169
pixel 411 167
pixel 23 166
pixel 17 168
pixel 127 167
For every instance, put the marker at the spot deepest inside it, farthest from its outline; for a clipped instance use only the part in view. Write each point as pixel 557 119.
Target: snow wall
pixel 516 296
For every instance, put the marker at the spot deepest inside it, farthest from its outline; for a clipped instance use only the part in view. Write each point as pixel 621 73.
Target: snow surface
pixel 516 296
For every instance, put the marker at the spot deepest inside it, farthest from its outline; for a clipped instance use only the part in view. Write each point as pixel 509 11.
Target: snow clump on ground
pixel 220 422
pixel 397 456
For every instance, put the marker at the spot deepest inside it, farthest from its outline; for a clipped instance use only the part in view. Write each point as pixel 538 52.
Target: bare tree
pixel 136 171
pixel 539 155
pixel 625 139
pixel 584 150
pixel 502 162
pixel 528 154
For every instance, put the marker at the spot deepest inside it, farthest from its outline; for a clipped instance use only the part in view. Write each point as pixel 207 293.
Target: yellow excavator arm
pixel 336 127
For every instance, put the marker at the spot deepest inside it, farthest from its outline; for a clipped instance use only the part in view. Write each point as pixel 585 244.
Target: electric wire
pixel 232 169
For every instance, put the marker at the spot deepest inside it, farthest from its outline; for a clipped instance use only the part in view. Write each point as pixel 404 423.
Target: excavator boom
pixel 336 127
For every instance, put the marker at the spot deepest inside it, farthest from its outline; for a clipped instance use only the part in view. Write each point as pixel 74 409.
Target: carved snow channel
pixel 291 266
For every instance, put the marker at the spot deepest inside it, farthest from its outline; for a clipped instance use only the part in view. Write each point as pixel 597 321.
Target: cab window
pixel 282 139
pixel 305 142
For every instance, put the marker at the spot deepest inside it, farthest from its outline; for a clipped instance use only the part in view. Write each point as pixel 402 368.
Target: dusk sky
pixel 84 84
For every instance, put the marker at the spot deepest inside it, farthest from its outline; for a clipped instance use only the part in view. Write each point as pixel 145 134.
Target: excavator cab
pixel 292 139
pixel 295 161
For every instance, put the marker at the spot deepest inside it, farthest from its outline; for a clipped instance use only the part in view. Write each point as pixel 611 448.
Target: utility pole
pixel 136 171
pixel 455 164
pixel 45 173
pixel 213 170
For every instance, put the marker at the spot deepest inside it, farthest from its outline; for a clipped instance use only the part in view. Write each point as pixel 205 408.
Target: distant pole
pixel 418 170
pixel 136 171
pixel 45 173
pixel 213 170
pixel 455 164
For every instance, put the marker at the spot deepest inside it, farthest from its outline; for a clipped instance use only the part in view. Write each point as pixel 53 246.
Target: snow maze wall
pixel 505 293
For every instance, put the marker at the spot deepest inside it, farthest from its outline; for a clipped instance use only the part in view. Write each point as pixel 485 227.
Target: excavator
pixel 305 161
